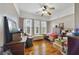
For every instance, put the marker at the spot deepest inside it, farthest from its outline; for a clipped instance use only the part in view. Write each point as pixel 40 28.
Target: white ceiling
pixel 9 10
pixel 32 8
pixel 28 10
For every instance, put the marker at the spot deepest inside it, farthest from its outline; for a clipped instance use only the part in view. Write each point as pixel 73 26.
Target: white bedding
pixel 24 38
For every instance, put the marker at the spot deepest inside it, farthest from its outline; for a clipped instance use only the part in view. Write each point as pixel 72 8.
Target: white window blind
pixel 36 27
pixel 43 27
pixel 28 26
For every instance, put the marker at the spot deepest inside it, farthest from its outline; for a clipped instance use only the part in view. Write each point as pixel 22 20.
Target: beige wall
pixel 67 20
pixel 21 20
pixel 77 15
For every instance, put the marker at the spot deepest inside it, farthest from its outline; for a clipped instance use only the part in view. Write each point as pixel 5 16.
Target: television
pixel 12 26
pixel 9 28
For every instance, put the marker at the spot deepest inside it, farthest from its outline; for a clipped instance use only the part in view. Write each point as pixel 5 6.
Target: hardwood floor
pixel 42 47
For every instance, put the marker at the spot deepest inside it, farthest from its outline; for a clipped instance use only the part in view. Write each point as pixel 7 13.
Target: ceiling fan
pixel 46 10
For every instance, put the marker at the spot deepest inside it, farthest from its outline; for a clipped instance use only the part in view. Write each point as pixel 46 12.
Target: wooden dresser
pixel 16 46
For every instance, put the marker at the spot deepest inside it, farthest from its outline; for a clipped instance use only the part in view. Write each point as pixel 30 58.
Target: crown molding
pixel 67 12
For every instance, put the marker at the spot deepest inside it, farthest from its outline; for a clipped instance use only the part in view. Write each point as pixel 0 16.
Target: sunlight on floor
pixel 42 48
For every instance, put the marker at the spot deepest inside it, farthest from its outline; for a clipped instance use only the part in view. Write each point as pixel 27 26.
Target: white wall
pixel 1 32
pixel 6 9
pixel 68 21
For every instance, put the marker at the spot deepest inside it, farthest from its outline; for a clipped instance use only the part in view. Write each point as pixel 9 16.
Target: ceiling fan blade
pixel 49 13
pixel 42 14
pixel 52 8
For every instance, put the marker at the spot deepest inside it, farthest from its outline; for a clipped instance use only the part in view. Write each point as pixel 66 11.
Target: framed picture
pixel 61 25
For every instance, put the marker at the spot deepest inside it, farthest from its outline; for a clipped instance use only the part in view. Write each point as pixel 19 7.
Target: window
pixel 36 27
pixel 43 27
pixel 28 26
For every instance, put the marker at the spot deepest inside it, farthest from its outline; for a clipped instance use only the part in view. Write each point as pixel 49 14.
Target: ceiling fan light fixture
pixel 46 10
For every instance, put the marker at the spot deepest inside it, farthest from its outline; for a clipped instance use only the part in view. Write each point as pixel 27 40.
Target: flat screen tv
pixel 9 28
pixel 12 26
